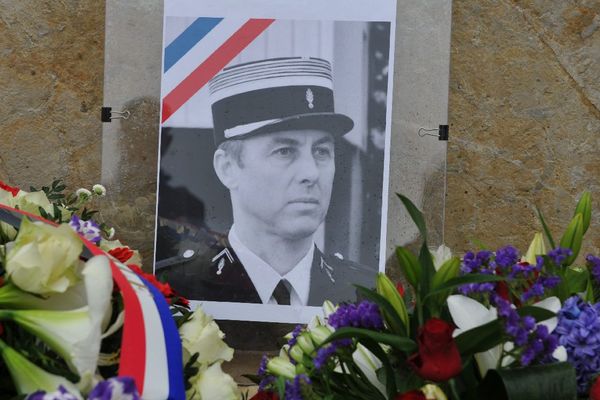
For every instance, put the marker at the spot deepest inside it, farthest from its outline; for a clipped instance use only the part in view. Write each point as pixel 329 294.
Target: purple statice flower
pixel 293 389
pixel 324 353
pixel 559 255
pixel 295 333
pixel 506 257
pixel 578 330
pixel 480 263
pixel 87 229
pixel 539 286
pixel 266 379
pixel 118 388
pixel 593 263
pixel 525 270
pixel 536 341
pixel 364 315
pixel 60 394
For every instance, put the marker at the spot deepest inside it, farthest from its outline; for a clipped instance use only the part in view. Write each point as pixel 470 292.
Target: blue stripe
pixel 188 39
pixel 172 344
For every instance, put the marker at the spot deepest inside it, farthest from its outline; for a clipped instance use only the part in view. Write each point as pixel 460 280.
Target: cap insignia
pixel 310 98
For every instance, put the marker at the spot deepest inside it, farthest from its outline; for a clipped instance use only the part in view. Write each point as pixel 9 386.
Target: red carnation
pixel 265 396
pixel 12 189
pixel 167 291
pixel 595 390
pixel 412 395
pixel 121 253
pixel 400 288
pixel 438 358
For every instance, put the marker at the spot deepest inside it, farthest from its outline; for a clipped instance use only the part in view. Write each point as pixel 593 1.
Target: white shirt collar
pixel 265 278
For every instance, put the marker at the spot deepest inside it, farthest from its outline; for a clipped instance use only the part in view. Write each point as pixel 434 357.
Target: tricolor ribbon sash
pixel 151 347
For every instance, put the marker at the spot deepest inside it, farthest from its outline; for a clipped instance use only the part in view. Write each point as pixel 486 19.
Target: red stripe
pixel 133 344
pixel 212 65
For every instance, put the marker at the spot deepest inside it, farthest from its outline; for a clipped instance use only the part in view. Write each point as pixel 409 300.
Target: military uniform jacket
pixel 218 275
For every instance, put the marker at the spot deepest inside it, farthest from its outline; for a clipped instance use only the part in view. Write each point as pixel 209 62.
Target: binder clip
pixel 107 114
pixel 442 132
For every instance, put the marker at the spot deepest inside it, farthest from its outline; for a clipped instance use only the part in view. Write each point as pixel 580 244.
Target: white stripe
pixel 199 53
pixel 270 83
pixel 243 129
pixel 156 379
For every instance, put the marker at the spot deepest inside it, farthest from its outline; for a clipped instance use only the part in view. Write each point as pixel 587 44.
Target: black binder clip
pixel 442 132
pixel 107 114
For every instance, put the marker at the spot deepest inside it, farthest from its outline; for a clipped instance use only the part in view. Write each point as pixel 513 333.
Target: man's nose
pixel 308 168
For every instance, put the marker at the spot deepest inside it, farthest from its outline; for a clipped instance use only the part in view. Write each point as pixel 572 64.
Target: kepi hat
pixel 274 95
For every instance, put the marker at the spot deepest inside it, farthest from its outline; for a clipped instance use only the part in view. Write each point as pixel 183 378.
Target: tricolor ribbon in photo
pixel 200 52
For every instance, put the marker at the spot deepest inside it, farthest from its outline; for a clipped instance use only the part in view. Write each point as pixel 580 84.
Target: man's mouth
pixel 305 200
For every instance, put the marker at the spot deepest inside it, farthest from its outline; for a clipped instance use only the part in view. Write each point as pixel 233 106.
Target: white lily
pixel 75 334
pixel 440 256
pixel 368 363
pixel 468 314
pixel 28 377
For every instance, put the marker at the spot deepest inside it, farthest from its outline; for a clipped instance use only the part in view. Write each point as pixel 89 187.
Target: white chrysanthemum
pixel 99 190
pixel 83 192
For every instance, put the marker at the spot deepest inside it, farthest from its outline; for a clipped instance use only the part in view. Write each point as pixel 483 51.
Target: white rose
pixel 202 335
pixel 31 202
pixel 212 383
pixel 43 258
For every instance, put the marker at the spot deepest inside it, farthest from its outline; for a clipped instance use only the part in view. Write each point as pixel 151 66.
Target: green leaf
pixel 479 339
pixel 447 271
pixel 402 344
pixel 584 207
pixel 548 381
pixel 545 227
pixel 427 269
pixel 415 214
pixel 409 265
pixel 539 313
pixel 573 237
pixel 577 278
pixel 391 316
pixel 464 279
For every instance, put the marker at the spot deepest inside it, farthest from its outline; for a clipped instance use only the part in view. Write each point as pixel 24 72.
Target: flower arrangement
pixel 80 319
pixel 493 324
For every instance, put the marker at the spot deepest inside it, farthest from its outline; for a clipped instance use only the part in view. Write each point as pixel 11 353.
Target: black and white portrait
pixel 273 162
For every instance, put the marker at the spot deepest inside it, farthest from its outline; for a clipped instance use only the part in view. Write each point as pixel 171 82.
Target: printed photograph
pixel 272 161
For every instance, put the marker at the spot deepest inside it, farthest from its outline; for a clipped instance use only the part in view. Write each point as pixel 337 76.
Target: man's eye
pixel 283 151
pixel 323 152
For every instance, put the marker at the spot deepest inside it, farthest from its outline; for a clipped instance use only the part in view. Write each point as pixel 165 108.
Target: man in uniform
pixel 276 130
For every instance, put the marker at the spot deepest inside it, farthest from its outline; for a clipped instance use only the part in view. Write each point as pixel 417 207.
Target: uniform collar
pixel 265 278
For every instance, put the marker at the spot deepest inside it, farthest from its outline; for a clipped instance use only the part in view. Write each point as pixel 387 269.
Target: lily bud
pixel 584 207
pixel 296 353
pixel 319 334
pixel 573 237
pixel 281 367
pixel 536 248
pixel 305 343
pixel 387 289
pixel 328 308
pixel 433 392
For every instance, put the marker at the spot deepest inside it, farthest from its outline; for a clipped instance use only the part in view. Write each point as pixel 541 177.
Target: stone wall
pixel 525 118
pixel 51 74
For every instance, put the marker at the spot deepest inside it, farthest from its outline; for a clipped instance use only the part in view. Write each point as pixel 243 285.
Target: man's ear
pixel 226 169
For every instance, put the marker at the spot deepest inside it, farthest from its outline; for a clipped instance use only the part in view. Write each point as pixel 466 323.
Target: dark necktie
pixel 281 293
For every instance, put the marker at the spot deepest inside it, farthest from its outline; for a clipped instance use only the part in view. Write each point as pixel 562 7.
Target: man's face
pixel 285 181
